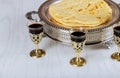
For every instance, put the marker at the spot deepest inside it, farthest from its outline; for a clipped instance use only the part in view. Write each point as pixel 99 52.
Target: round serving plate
pixel 94 35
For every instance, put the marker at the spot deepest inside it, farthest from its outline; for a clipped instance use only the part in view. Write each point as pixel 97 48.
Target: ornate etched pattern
pixel 117 40
pixel 78 46
pixel 36 38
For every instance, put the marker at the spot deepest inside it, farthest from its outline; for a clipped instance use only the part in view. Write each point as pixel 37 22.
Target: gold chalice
pixel 36 31
pixel 78 41
pixel 116 55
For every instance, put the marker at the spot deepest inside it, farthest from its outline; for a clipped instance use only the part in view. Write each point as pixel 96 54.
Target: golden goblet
pixel 116 55
pixel 36 31
pixel 78 41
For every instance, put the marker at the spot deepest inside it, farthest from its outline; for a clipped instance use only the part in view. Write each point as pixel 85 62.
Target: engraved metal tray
pixel 94 35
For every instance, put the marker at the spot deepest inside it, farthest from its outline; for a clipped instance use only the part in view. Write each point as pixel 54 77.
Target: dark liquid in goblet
pixel 78 36
pixel 117 31
pixel 35 28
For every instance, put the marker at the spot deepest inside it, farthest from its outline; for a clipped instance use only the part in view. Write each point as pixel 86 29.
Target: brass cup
pixel 36 32
pixel 116 55
pixel 78 42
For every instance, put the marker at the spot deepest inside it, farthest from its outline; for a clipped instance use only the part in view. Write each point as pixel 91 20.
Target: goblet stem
pixel 118 50
pixel 78 56
pixel 37 48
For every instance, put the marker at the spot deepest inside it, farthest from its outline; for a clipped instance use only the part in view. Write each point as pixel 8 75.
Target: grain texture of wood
pixel 15 45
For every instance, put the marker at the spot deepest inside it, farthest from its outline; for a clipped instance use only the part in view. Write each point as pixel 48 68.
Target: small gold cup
pixel 78 41
pixel 116 55
pixel 36 31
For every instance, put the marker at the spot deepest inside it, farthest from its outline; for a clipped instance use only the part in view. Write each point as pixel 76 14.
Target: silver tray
pixel 98 34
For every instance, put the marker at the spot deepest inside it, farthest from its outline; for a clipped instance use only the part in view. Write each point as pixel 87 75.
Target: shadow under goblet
pixel 116 55
pixel 36 31
pixel 78 42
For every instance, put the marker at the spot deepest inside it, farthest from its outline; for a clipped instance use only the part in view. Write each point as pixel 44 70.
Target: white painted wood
pixel 15 46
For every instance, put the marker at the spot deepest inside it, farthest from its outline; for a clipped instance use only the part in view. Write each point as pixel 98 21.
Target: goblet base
pixel 78 63
pixel 116 56
pixel 38 54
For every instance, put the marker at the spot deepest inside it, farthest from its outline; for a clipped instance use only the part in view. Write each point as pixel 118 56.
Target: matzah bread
pixel 77 13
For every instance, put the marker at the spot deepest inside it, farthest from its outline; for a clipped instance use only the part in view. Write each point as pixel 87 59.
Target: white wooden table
pixel 15 46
